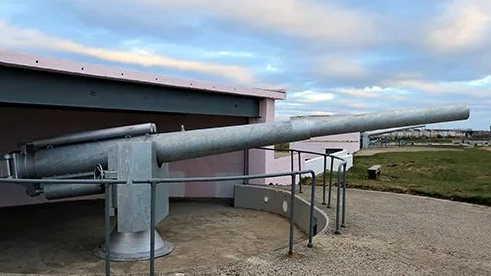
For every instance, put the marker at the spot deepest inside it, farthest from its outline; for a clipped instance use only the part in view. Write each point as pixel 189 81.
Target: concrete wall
pixel 278 202
pixel 317 164
pixel 25 124
pixel 348 141
pixel 307 162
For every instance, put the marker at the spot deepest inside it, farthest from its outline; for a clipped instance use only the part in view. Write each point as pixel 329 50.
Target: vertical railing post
pixel 152 229
pixel 324 182
pixel 246 166
pixel 330 183
pixel 344 196
pixel 312 203
pixel 292 215
pixel 107 226
pixel 291 161
pixel 299 169
pixel 338 197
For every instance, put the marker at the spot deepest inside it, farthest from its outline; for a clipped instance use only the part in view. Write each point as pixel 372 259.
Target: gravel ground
pixel 386 234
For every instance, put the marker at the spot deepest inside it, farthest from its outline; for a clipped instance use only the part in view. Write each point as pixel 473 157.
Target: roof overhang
pixel 38 80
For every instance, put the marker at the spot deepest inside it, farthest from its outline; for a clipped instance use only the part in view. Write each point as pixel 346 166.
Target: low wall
pixel 350 142
pixel 277 201
pixel 307 162
pixel 317 164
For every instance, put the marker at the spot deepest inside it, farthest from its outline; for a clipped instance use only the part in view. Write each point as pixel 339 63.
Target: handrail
pixel 342 164
pixel 325 155
pixel 154 181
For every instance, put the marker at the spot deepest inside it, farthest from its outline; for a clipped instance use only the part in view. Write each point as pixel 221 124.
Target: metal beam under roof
pixel 35 80
pixel 34 87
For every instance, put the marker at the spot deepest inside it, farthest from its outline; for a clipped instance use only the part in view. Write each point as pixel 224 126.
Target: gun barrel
pixel 90 136
pixel 385 131
pixel 182 145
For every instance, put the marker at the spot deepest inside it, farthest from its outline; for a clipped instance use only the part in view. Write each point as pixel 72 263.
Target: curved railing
pixel 342 166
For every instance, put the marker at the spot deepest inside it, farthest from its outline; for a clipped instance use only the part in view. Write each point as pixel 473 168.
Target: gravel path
pixel 386 234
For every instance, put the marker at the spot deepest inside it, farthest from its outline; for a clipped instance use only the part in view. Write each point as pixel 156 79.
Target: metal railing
pixel 154 181
pixel 341 166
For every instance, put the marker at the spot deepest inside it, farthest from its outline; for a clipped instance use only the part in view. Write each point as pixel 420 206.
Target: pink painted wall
pixel 25 124
pixel 283 164
pixel 260 160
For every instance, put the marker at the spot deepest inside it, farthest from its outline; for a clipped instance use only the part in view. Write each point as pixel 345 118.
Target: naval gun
pixel 365 136
pixel 139 152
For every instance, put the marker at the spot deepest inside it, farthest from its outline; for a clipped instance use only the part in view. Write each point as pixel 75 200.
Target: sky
pixel 331 56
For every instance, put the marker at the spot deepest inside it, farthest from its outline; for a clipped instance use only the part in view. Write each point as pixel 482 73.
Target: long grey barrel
pixel 384 131
pixel 182 145
pixel 88 136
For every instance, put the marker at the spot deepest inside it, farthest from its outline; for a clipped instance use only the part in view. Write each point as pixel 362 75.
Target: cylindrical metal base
pixel 134 246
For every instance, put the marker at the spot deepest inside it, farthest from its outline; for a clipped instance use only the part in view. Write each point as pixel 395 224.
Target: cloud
pixel 300 18
pixel 331 56
pixel 470 88
pixel 337 43
pixel 16 38
pixel 322 113
pixel 463 24
pixel 369 92
pixel 338 66
pixel 310 96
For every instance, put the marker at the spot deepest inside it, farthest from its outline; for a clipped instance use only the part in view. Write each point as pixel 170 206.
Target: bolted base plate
pixel 133 246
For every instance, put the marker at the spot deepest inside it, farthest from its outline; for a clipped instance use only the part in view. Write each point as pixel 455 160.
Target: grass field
pixel 456 175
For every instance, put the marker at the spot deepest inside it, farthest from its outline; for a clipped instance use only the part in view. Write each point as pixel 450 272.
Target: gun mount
pixel 139 152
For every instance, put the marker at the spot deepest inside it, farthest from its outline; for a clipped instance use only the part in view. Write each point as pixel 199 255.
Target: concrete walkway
pixel 386 234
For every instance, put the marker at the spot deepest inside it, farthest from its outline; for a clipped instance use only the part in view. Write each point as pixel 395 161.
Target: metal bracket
pixel 8 168
pixel 100 173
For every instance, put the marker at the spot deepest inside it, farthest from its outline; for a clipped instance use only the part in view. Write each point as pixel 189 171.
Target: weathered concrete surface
pixel 59 238
pixel 278 201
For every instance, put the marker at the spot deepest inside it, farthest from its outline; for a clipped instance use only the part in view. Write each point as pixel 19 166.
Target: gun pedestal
pixel 130 239
pixel 127 246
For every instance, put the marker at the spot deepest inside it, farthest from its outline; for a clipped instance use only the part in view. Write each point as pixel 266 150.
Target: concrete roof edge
pixel 38 62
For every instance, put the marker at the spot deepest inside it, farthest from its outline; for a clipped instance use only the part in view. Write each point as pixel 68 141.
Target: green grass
pixel 456 175
pixel 284 146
